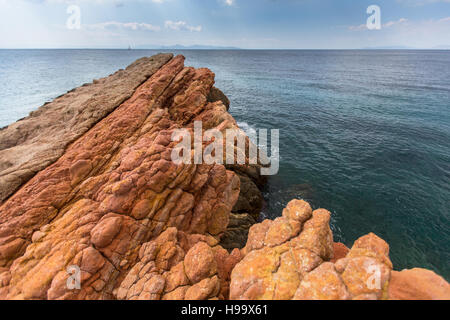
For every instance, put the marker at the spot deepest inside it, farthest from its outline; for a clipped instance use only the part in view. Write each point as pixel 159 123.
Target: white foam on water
pixel 249 130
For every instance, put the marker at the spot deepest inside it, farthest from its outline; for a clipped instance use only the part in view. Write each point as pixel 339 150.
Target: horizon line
pixel 225 49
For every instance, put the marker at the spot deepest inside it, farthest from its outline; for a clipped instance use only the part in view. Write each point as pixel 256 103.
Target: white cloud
pixel 431 33
pixel 389 24
pixel 393 23
pixel 358 27
pixel 181 25
pixel 229 2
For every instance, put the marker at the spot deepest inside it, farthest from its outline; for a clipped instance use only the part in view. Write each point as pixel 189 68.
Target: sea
pixel 363 133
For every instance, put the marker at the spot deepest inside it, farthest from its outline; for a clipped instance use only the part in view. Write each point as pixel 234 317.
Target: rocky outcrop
pixel 217 95
pixel 112 209
pixel 114 189
pixel 294 258
pixel 33 143
pixel 179 266
pixel 290 258
pixel 418 284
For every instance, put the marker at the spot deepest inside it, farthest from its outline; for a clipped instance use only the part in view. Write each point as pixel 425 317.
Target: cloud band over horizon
pixel 256 24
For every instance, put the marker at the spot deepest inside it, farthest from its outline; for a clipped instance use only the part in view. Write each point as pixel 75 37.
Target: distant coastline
pixel 205 47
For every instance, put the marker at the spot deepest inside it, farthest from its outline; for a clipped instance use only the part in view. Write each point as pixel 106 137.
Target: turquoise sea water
pixel 365 134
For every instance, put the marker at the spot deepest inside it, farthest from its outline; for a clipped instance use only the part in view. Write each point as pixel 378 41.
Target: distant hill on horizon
pixel 407 48
pixel 182 47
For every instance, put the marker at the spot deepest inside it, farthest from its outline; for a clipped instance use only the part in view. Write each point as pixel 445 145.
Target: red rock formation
pixel 140 226
pixel 115 189
pixel 33 143
pixel 289 259
pixel 179 266
pixel 294 257
pixel 418 284
pixel 340 251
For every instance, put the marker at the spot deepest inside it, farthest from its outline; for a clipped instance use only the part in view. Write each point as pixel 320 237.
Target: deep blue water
pixel 365 134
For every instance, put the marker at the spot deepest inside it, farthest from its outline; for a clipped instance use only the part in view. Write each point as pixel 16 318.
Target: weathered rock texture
pixel 114 189
pixel 178 266
pixel 33 143
pixel 111 202
pixel 247 209
pixel 293 257
pixel 418 284
pixel 288 258
pixel 237 232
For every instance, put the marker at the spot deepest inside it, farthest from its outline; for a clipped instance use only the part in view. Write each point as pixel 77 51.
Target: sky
pixel 247 24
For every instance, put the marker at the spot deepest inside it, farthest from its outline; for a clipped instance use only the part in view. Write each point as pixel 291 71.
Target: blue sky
pixel 272 24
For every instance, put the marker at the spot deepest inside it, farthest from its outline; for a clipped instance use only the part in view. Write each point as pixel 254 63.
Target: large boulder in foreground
pixel 179 266
pixel 293 258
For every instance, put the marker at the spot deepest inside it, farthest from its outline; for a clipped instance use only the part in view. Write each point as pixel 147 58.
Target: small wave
pixel 248 129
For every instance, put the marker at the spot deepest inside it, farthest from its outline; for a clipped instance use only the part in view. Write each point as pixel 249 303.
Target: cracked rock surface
pixel 113 190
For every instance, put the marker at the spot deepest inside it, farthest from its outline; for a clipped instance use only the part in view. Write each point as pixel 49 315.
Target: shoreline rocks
pixel 98 192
